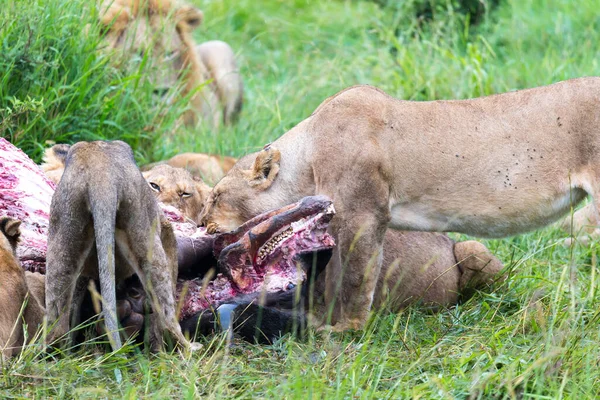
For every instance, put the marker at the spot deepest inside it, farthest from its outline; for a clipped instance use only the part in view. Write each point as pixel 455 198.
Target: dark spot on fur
pixel 457 156
pixel 558 122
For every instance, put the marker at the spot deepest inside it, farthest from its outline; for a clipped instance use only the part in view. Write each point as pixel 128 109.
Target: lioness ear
pixel 115 19
pixel 265 168
pixel 191 16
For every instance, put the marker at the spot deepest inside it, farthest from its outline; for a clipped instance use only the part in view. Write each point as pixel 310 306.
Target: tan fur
pixel 53 163
pixel 19 304
pixel 109 230
pixel 431 269
pixel 583 225
pixel 208 167
pixel 177 188
pixel 165 27
pixel 492 166
pixel 425 268
pixel 203 167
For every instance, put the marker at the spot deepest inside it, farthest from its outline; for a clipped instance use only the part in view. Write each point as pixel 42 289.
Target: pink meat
pixel 25 194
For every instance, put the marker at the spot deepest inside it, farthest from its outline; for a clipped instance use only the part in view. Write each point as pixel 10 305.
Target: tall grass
pixel 56 82
pixel 534 336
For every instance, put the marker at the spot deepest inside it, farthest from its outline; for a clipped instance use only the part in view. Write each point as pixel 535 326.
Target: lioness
pixel 177 188
pixel 492 167
pixel 162 30
pixel 21 301
pixel 106 224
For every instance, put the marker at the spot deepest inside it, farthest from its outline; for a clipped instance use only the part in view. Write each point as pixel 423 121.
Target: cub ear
pixel 265 168
pixel 190 16
pixel 11 228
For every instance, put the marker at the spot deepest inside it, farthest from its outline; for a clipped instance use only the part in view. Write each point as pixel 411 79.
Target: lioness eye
pixel 154 186
pixel 185 194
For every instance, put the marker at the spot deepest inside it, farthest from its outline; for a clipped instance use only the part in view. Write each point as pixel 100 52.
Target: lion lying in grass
pixel 208 167
pixel 162 31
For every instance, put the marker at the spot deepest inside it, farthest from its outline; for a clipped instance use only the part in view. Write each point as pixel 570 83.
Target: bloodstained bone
pixel 243 273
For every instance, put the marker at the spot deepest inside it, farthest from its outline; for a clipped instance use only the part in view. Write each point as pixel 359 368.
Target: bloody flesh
pixel 259 256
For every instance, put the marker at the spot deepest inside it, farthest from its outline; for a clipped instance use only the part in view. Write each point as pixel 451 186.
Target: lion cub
pixel 20 300
pixel 176 187
pixel 105 223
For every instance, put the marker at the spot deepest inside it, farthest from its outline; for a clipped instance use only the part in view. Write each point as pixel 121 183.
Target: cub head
pixel 10 233
pixel 245 192
pixel 157 31
pixel 176 187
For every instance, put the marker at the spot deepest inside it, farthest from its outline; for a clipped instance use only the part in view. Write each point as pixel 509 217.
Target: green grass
pixel 535 336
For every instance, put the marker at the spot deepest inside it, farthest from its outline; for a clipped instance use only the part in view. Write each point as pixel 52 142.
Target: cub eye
pixel 184 194
pixel 154 186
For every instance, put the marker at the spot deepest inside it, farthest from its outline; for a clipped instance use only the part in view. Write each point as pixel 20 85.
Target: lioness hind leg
pixel 64 264
pixel 157 278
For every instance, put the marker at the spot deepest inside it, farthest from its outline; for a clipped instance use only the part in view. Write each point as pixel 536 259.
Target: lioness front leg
pixel 352 273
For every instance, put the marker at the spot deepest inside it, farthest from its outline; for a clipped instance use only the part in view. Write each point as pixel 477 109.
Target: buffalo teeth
pixel 272 244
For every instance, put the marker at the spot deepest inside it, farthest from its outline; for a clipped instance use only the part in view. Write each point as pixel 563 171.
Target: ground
pixel 534 336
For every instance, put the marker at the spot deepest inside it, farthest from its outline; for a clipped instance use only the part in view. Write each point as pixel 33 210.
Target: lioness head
pixel 156 30
pixel 244 192
pixel 176 187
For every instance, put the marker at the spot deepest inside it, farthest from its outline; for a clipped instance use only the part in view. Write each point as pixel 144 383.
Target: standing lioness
pixel 493 166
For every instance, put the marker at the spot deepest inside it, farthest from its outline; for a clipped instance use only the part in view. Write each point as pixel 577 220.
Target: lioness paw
pixel 212 228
